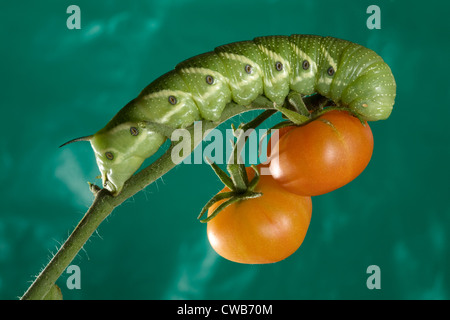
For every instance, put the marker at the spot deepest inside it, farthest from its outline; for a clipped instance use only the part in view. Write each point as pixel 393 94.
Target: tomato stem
pixel 293 116
pixel 317 102
pixel 239 177
pixel 237 181
pixel 235 166
pixel 295 99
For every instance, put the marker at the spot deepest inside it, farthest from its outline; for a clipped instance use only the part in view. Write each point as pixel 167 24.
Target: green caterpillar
pixel 200 88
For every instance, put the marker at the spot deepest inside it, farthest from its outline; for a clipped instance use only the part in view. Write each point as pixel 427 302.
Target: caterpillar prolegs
pixel 200 88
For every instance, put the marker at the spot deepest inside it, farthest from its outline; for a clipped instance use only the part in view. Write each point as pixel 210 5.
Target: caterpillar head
pixel 120 150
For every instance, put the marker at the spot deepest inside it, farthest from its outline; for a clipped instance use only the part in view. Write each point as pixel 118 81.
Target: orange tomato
pixel 322 155
pixel 266 229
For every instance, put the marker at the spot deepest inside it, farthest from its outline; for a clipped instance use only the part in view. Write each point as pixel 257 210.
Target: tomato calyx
pixel 237 181
pixel 235 194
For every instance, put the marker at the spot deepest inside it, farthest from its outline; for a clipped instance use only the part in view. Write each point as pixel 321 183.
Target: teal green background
pixel 57 84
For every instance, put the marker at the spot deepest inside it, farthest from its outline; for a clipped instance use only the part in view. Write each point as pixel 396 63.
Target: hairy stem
pixel 104 203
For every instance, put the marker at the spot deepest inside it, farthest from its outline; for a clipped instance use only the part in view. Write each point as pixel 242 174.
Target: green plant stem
pixel 235 167
pixel 104 203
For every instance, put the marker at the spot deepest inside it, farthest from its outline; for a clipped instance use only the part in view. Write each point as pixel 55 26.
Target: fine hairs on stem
pixel 104 203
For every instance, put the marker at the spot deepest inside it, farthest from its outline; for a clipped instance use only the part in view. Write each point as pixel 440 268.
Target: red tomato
pixel 261 230
pixel 322 155
pixel 281 132
pixel 272 144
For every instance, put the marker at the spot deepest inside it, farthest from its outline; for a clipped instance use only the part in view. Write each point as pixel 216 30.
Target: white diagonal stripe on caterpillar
pixel 173 111
pixel 327 56
pixel 304 56
pixel 275 56
pixel 240 58
pixel 204 71
pixel 167 93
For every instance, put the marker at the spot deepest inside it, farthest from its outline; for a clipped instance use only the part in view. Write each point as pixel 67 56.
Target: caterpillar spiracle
pixel 199 89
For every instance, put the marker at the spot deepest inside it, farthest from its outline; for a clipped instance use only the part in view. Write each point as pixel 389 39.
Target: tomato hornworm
pixel 199 88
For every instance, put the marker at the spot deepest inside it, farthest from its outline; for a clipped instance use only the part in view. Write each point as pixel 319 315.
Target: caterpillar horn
pixel 86 138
